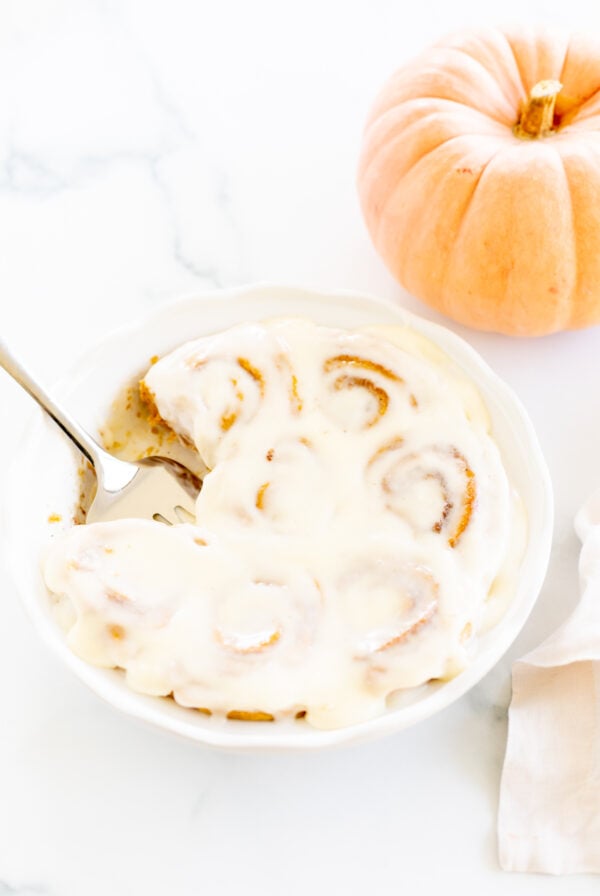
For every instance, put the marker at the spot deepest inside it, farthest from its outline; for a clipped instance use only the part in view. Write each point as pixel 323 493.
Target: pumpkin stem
pixel 537 115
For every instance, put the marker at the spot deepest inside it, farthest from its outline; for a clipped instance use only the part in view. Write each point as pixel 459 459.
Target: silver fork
pixel 154 488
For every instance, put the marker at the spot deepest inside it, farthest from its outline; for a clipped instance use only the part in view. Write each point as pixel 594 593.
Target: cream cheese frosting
pixel 355 532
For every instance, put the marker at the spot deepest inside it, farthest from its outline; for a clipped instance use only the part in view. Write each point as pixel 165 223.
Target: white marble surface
pixel 146 149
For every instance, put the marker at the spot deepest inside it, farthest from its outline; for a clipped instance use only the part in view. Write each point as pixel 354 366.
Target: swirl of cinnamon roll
pixel 284 490
pixel 268 616
pixel 388 602
pixel 234 387
pixel 293 496
pixel 286 369
pixel 432 488
pixel 363 390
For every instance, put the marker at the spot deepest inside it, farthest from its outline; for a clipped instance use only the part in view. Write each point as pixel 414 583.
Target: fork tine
pixel 157 492
pixel 184 515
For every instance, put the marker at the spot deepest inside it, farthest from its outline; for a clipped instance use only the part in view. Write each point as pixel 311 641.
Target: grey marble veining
pixel 7 889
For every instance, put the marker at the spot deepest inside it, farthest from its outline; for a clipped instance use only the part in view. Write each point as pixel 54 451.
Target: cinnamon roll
pixel 389 602
pixel 433 487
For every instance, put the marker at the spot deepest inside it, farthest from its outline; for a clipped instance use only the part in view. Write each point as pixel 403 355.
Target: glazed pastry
pixel 351 533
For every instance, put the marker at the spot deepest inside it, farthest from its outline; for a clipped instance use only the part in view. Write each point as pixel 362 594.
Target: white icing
pixel 355 519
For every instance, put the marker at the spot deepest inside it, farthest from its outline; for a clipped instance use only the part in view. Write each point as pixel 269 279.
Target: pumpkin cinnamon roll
pixel 215 390
pixel 389 602
pixel 432 487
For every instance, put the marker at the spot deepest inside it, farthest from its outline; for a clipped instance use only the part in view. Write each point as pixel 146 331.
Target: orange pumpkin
pixel 480 179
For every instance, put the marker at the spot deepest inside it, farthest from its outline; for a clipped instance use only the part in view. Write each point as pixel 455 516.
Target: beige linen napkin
pixel 549 814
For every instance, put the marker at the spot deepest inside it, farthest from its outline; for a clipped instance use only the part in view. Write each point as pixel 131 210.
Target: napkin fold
pixel 549 812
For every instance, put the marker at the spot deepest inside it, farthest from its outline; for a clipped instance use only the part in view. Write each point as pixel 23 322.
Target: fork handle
pixel 114 473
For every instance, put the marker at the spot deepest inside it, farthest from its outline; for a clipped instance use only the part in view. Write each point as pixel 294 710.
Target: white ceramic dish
pixel 44 481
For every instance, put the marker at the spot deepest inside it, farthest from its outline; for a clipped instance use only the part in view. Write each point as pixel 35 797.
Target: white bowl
pixel 44 481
